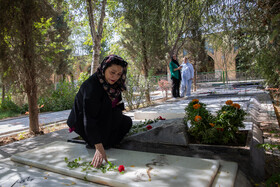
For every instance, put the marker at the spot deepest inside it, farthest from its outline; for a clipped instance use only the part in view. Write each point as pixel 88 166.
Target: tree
pixel 195 45
pixel 253 27
pixel 184 22
pixel 180 18
pixel 61 29
pixel 258 37
pixel 96 34
pixel 31 45
pixel 143 35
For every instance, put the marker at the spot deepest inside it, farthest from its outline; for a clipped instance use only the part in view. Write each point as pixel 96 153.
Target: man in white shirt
pixel 187 74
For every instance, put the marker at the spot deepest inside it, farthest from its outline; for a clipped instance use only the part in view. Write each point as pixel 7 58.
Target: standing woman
pixel 175 67
pixel 97 111
pixel 187 77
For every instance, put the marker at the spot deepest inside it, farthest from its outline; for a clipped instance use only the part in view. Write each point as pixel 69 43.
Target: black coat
pixel 92 114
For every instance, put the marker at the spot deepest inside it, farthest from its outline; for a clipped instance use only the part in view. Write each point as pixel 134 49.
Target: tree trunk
pixel 29 69
pixel 146 69
pixel 194 78
pixel 3 92
pixel 33 110
pixel 96 56
pixel 95 35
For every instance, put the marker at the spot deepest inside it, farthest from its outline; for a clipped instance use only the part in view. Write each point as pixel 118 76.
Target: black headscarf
pixel 115 89
pixel 175 61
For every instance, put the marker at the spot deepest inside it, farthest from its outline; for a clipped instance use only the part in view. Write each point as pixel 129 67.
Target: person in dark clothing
pixel 175 67
pixel 97 111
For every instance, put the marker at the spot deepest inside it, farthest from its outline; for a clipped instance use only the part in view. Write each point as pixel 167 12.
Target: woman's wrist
pixel 98 146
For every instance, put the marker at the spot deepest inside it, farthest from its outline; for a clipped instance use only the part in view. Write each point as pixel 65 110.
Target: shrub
pixel 199 118
pixel 9 105
pixel 222 129
pixel 60 99
pixel 134 94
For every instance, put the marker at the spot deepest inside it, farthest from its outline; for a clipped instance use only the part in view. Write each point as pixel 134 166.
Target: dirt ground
pixel 27 134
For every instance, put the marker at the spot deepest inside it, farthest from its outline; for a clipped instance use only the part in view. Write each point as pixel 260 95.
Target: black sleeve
pixel 121 105
pixel 92 100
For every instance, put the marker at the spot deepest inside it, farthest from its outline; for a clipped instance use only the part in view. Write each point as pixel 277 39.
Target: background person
pixel 97 111
pixel 187 74
pixel 175 67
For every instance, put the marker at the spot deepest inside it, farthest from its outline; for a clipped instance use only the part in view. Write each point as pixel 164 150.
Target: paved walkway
pixel 9 126
pixel 22 123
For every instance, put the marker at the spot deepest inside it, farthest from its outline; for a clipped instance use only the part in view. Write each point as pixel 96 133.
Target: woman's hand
pixel 99 155
pixel 176 69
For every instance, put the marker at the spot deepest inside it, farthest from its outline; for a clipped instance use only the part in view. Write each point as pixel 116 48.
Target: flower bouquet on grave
pixel 143 126
pixel 220 129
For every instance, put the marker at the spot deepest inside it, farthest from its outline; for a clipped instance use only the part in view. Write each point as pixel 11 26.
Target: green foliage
pixel 257 34
pixel 87 166
pixel 268 146
pixel 274 180
pixel 62 98
pixel 141 127
pixel 6 114
pixel 220 129
pixel 83 76
pixel 232 116
pixel 135 89
pixel 143 36
pixel 200 118
pixel 9 105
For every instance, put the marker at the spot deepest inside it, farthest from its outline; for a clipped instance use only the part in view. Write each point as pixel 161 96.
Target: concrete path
pixel 11 125
pixel 22 123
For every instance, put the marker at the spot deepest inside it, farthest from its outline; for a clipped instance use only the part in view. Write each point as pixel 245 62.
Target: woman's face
pixel 113 73
pixel 174 57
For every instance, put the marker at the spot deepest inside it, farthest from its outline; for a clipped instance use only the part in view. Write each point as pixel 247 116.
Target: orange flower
pixel 26 113
pixel 196 106
pixel 195 100
pixel 197 118
pixel 235 105
pixel 229 102
pixel 212 124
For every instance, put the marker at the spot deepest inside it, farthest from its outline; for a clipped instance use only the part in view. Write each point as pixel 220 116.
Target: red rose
pixel 121 168
pixel 149 127
pixel 220 129
pixel 161 118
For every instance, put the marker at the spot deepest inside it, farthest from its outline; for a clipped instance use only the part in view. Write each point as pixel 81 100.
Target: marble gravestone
pixel 172 132
pixel 141 168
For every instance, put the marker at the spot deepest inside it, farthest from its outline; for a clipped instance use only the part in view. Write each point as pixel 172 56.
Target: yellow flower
pixel 212 124
pixel 197 118
pixel 229 102
pixel 224 112
pixel 196 106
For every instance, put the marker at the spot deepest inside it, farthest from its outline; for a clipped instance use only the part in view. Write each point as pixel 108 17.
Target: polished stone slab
pixel 172 132
pixel 165 170
pixel 13 174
